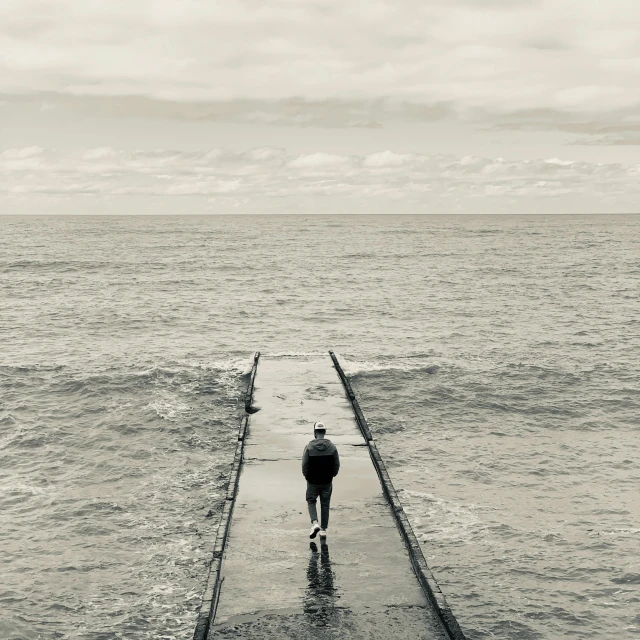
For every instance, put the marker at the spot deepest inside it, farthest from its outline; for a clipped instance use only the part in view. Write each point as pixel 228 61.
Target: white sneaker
pixel 323 534
pixel 315 527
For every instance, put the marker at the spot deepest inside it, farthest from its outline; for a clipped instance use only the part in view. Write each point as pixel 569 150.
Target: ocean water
pixel 496 358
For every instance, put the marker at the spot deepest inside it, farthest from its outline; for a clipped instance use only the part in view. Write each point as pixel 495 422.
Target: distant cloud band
pixel 265 173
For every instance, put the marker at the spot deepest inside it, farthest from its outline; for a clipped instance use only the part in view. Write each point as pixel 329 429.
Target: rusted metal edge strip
pixel 215 577
pixel 423 573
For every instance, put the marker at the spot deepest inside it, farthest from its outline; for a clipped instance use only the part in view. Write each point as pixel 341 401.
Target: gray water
pixel 496 359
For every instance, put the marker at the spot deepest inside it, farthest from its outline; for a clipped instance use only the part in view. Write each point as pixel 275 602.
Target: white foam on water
pixel 435 519
pixel 168 409
pixel 297 354
pixel 355 367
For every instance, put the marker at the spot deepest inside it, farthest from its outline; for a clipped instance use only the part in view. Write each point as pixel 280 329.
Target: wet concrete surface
pixel 279 584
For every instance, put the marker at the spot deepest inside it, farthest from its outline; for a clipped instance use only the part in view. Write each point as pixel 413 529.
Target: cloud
pixel 615 127
pixel 265 154
pixel 318 160
pixel 471 55
pixel 297 111
pixel 264 174
pixel 632 139
pixel 386 159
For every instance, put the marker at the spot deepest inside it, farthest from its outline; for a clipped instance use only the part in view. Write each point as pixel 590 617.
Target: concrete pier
pixel 273 581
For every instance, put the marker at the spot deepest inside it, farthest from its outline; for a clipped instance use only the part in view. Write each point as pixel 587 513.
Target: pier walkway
pixel 274 582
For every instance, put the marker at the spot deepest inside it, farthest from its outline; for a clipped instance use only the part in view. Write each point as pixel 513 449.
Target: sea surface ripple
pixel 496 359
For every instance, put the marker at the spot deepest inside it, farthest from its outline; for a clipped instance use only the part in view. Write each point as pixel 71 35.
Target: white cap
pixel 319 426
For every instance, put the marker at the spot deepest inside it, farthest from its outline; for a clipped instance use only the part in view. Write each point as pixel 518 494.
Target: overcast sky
pixel 524 81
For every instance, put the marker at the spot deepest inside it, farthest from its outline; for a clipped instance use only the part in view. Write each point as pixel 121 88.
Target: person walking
pixel 320 465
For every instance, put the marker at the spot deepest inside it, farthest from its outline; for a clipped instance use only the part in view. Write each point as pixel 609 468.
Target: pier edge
pixel 425 577
pixel 215 577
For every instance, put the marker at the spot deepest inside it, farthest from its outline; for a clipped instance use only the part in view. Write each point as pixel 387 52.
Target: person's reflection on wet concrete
pixel 320 597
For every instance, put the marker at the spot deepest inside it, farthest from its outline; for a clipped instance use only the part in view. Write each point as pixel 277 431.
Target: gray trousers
pixel 322 491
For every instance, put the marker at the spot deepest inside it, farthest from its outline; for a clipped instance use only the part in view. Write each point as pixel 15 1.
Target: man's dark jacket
pixel 320 461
